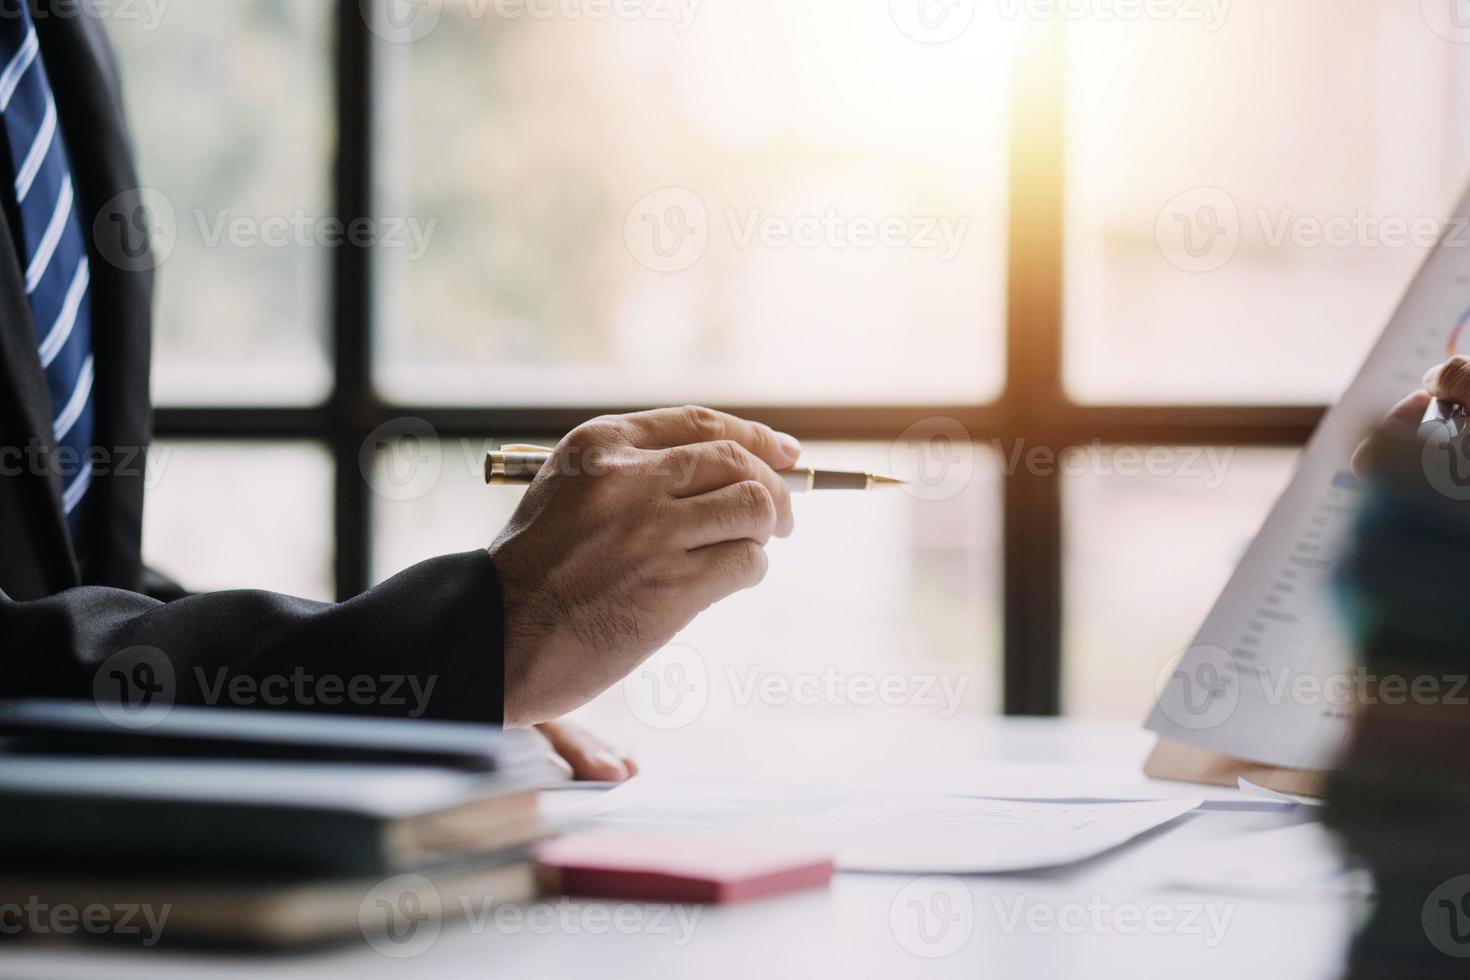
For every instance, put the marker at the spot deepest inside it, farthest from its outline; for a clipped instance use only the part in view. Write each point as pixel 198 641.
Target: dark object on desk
pixel 256 828
pixel 255 910
pixel 1401 795
pixel 222 787
pixel 81 728
pixel 309 817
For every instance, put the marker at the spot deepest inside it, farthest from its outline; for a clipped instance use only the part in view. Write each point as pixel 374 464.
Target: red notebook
pixel 638 867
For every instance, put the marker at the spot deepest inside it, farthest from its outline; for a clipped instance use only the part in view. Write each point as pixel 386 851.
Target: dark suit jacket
pixel 62 615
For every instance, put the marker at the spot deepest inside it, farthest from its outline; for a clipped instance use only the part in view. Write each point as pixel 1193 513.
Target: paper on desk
pixel 1261 792
pixel 1304 861
pixel 996 779
pixel 869 830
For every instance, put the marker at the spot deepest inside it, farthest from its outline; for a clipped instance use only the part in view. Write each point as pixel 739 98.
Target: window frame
pixel 1034 407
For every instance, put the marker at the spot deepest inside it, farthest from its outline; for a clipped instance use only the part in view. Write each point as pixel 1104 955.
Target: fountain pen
pixel 519 465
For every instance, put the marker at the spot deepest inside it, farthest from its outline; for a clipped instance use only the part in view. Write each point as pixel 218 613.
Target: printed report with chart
pixel 1264 679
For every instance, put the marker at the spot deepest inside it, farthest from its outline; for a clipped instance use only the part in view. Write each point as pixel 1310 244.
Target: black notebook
pixel 225 788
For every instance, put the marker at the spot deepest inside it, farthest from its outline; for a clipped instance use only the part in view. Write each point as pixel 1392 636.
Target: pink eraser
pixel 645 867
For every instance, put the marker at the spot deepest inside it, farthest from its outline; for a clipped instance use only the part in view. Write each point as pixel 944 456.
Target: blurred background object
pixel 1038 262
pixel 1401 796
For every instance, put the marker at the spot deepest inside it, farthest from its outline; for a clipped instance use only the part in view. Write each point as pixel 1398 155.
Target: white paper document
pixel 1270 677
pixel 868 830
pixel 1303 861
pixel 1261 792
pixel 1050 783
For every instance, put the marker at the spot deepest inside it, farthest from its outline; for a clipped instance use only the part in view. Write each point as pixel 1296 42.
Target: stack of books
pixel 1401 796
pixel 244 828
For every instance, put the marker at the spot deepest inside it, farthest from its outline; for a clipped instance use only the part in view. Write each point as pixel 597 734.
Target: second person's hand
pixel 1448 382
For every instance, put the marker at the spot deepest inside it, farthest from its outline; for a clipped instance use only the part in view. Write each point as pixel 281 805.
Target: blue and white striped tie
pixel 57 273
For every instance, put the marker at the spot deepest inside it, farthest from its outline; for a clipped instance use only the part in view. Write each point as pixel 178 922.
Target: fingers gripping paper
pixel 1270 677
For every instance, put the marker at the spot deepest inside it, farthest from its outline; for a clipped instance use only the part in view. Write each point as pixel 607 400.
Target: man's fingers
pixel 1409 413
pixel 721 570
pixel 1450 380
pixel 668 427
pixel 739 512
pixel 1402 420
pixel 702 469
pixel 589 758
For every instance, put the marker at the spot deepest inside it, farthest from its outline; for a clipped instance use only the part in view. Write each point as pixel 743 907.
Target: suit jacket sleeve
pixel 426 643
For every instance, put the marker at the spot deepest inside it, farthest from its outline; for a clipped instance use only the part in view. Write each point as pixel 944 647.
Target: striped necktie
pixel 54 253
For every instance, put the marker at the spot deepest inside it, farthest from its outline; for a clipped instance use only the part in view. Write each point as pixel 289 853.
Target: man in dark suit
pixel 639 524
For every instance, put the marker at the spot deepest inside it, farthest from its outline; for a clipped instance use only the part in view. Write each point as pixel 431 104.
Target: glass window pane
pixel 765 203
pixel 1249 198
pixel 883 585
pixel 232 110
pixel 241 516
pixel 1151 536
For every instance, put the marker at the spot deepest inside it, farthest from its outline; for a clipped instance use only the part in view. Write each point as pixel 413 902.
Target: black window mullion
pixel 1033 501
pixel 351 408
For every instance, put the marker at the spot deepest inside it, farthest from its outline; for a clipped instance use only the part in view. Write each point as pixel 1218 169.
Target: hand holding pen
pixel 1441 401
pixel 633 526
pixel 1448 385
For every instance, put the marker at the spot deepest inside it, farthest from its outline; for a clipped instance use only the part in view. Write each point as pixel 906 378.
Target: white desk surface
pixel 849 930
